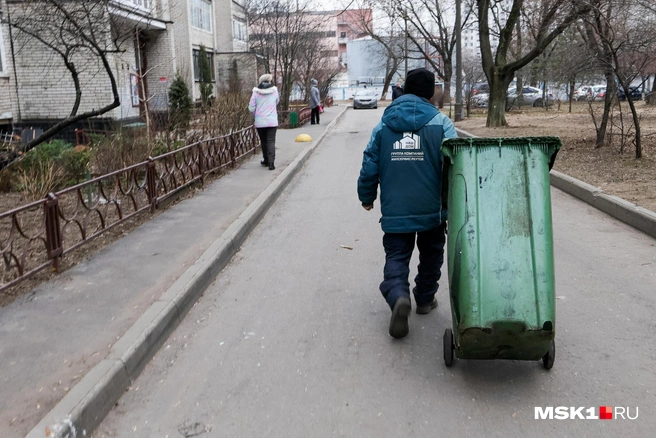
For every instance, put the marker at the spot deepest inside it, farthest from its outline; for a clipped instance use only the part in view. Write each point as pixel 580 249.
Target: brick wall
pixel 237 70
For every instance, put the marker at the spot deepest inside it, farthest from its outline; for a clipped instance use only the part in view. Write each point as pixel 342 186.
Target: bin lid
pixel 451 147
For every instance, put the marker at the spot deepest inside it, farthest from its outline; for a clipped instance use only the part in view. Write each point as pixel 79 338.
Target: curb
pixel 637 217
pixel 85 406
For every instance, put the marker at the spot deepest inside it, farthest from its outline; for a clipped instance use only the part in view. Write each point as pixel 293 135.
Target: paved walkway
pixel 51 338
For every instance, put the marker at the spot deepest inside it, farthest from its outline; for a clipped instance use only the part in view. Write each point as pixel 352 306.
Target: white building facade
pixel 162 39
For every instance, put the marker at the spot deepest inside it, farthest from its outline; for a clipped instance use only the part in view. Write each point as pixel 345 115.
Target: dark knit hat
pixel 420 82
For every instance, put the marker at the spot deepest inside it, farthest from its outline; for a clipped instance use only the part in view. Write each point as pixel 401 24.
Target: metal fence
pixel 37 235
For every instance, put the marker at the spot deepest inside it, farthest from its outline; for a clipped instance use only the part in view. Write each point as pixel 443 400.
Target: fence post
pixel 232 150
pixel 151 185
pixel 254 139
pixel 53 232
pixel 201 167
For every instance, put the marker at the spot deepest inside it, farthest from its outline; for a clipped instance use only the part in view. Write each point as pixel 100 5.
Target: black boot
pixel 271 166
pixel 264 163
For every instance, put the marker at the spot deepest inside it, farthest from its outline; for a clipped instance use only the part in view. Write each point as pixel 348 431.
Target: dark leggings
pixel 315 115
pixel 268 140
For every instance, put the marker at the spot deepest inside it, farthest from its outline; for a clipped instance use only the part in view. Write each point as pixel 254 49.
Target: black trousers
pixel 314 116
pixel 398 251
pixel 268 140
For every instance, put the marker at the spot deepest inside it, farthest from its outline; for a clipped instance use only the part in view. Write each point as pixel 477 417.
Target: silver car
pixel 532 96
pixel 365 99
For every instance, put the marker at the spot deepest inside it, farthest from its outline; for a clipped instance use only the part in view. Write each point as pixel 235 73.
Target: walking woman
pixel 315 101
pixel 263 105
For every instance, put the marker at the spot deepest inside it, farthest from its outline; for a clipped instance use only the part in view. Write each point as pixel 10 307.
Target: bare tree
pixel 572 61
pixel 625 34
pixel 280 33
pixel 388 34
pixel 316 61
pixel 433 33
pixel 554 16
pixel 82 36
pixel 472 74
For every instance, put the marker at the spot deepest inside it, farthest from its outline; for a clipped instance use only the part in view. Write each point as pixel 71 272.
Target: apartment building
pixel 221 27
pixel 471 43
pixel 156 40
pixel 350 26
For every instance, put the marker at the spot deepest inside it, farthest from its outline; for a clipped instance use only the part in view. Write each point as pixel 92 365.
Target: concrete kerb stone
pixel 88 402
pixel 637 217
pixel 85 406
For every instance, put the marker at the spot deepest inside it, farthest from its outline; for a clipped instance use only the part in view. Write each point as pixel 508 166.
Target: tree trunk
pixel 448 74
pixel 447 91
pixel 388 81
pixel 496 114
pixel 608 103
pixel 572 84
pixel 636 123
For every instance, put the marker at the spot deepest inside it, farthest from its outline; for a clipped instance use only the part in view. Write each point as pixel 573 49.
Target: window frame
pixel 195 61
pixel 193 6
pixel 239 30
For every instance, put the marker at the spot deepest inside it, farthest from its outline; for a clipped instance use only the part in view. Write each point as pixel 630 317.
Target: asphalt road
pixel 291 340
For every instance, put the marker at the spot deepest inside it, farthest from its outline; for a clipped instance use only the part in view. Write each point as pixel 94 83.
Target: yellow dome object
pixel 303 137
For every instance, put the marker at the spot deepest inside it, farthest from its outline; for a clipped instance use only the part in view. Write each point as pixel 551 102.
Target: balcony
pixel 140 13
pixel 342 40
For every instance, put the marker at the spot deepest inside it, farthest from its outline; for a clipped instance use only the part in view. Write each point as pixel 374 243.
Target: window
pixel 328 53
pixel 239 31
pixel 330 33
pixel 210 57
pixel 201 14
pixel 140 4
pixel 342 34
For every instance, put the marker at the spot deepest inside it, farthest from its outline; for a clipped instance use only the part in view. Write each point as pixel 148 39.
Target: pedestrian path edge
pixel 637 217
pixel 88 402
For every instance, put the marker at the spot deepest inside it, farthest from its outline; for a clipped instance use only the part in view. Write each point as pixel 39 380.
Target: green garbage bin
pixel 500 249
pixel 293 119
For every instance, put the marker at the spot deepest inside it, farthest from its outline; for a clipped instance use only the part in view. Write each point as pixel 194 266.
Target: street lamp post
pixel 405 42
pixel 458 115
pixel 405 37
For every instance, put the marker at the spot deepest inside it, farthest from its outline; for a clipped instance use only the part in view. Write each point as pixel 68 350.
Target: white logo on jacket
pixel 408 141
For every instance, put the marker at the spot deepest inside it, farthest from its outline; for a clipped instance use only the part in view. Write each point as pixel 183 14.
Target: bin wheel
pixel 549 356
pixel 449 347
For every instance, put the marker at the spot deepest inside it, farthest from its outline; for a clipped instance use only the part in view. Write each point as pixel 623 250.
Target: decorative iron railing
pixel 37 235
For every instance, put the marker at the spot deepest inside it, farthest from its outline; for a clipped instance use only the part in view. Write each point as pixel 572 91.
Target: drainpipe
pixel 13 61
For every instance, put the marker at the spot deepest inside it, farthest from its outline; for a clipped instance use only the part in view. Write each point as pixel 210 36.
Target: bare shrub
pixel 38 180
pixel 119 150
pixel 228 113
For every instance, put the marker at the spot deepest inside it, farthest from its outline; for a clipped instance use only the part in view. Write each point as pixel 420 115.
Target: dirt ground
pixel 608 168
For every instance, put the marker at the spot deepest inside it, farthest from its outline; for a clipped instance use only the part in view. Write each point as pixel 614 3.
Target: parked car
pixel 636 93
pixel 599 93
pixel 481 87
pixel 583 92
pixel 532 96
pixel 365 99
pixel 480 100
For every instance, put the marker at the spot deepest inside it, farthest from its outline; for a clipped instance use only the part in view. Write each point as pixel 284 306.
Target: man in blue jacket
pixel 404 157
